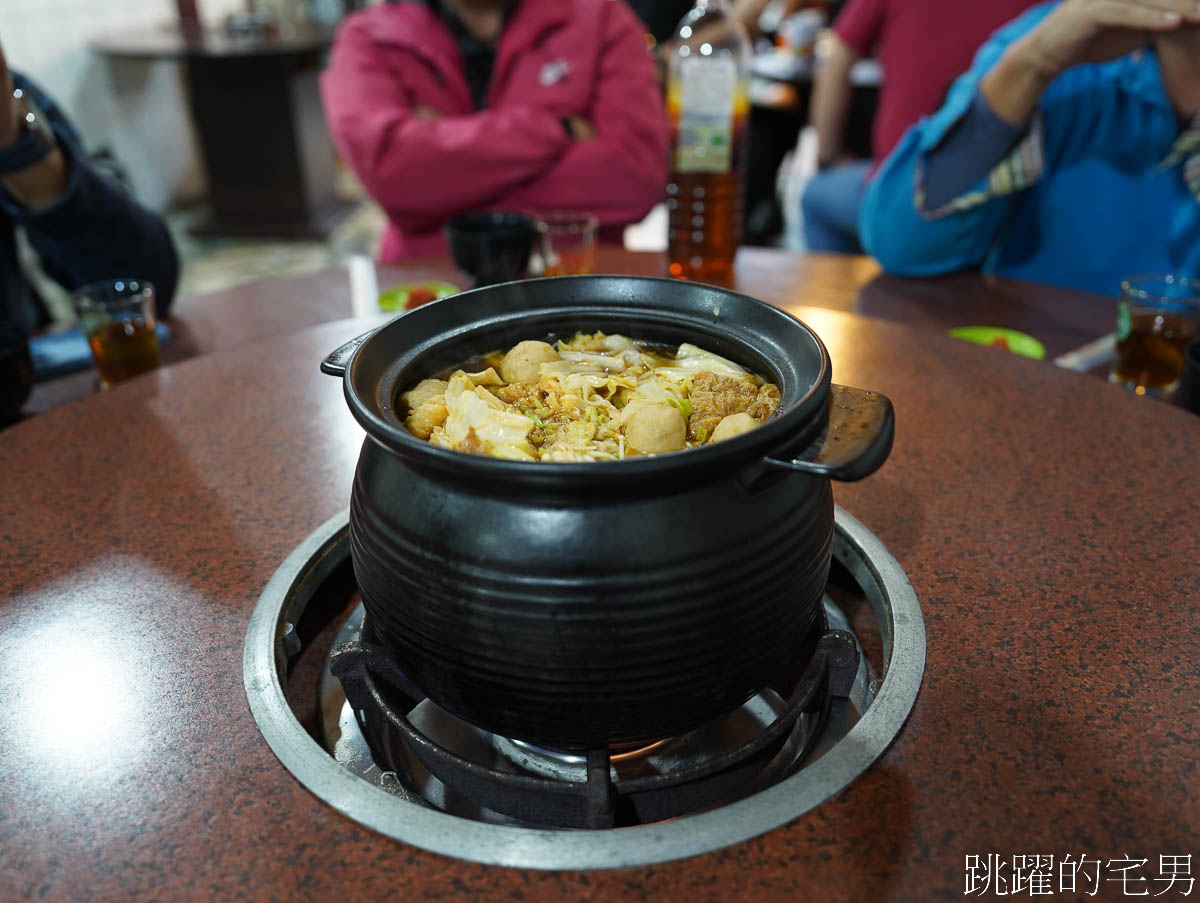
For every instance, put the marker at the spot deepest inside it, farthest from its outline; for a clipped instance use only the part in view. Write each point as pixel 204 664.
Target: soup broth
pixel 593 397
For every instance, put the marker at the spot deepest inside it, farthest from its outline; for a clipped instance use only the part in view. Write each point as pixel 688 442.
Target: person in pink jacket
pixel 446 106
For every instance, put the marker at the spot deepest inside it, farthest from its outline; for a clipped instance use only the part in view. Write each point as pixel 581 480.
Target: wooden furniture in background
pixel 257 110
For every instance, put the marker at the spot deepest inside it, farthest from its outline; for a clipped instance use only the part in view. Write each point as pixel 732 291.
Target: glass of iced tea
pixel 1157 317
pixel 117 318
pixel 567 242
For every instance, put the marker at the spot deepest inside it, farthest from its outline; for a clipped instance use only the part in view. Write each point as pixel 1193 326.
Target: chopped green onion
pixel 684 406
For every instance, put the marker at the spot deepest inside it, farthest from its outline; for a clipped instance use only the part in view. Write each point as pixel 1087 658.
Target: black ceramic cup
pixel 1189 380
pixel 16 373
pixel 491 247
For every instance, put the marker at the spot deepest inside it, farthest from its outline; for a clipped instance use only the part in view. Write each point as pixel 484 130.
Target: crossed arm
pixel 424 167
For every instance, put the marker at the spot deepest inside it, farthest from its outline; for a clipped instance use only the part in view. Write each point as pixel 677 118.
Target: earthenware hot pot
pixel 581 605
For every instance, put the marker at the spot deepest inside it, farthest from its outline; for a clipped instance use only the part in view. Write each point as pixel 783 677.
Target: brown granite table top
pixel 1062 320
pixel 1047 521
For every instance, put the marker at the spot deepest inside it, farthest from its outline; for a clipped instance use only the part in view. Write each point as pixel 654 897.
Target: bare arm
pixel 1078 31
pixel 750 11
pixel 617 168
pixel 831 99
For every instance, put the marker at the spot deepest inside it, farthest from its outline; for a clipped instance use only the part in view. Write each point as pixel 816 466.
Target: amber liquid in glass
pixel 1151 356
pixel 573 263
pixel 123 348
pixel 568 269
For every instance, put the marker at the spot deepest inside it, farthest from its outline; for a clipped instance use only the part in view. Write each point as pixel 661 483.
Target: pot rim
pixel 785 430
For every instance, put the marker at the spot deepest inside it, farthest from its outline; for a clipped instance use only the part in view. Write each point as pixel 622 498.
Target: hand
pixel 10 128
pixel 1093 31
pixel 1077 31
pixel 750 11
pixel 582 130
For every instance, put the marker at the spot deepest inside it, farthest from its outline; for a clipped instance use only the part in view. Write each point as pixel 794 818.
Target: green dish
pixel 999 337
pixel 397 298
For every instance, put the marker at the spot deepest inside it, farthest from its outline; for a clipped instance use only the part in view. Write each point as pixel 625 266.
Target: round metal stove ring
pixel 346 722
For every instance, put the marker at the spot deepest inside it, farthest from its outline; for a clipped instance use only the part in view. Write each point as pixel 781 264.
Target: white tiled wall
pixel 138 109
pixel 38 34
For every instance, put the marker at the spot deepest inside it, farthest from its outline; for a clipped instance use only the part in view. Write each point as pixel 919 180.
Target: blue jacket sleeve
pixel 95 230
pixel 895 228
pixel 979 142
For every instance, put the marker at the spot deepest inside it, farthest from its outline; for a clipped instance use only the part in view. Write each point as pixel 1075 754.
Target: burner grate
pixel 383 697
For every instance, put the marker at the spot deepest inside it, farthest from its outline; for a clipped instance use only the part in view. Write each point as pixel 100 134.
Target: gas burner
pixel 567 766
pixel 394 761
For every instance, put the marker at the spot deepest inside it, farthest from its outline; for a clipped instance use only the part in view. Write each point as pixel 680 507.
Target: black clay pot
pixel 578 605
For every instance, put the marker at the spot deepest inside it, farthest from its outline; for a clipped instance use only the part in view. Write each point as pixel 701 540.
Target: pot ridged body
pixel 573 619
pixel 577 605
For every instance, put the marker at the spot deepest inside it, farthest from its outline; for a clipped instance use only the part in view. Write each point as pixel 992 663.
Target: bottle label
pixel 707 89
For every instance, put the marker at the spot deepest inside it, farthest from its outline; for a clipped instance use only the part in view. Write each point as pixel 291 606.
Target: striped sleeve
pixel 1020 169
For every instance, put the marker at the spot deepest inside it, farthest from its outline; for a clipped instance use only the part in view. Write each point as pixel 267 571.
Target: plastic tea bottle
pixel 708 104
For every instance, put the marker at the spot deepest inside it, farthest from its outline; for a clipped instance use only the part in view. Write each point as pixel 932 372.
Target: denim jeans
pixel 830 204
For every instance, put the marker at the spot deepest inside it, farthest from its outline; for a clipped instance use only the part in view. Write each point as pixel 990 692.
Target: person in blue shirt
pixel 82 225
pixel 1068 154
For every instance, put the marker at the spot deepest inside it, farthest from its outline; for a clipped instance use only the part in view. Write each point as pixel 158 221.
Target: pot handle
pixel 337 362
pixel 855 442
